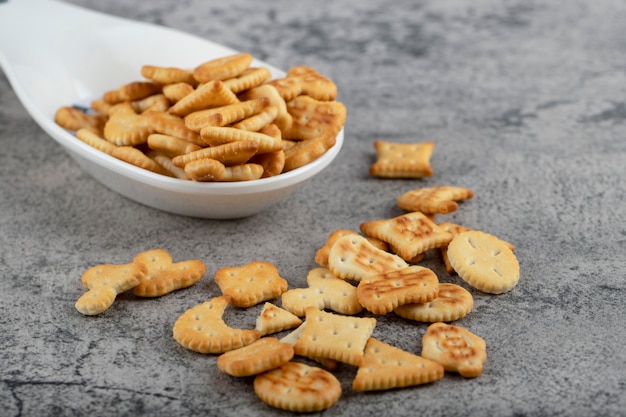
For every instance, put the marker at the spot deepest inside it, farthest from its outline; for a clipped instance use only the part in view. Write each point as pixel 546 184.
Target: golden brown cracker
pixel 313 118
pixel 274 319
pixel 456 348
pixel 452 303
pixel 211 94
pixel 222 68
pixel 202 329
pixel 250 284
pixel 402 160
pixel 440 199
pixel 262 355
pixel 313 83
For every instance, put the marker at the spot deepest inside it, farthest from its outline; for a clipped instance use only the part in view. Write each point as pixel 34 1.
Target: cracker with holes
pixel 295 335
pixel 274 319
pixel 386 367
pixel 484 261
pixel 298 387
pixel 325 291
pixel 165 276
pixel 202 329
pixel 402 160
pixel 353 257
pixel 250 284
pixel 410 234
pixel 313 118
pixel 334 336
pixel 105 282
pixel 442 199
pixel 452 303
pixel 382 293
pixel 456 348
pixel 257 357
pixel 321 256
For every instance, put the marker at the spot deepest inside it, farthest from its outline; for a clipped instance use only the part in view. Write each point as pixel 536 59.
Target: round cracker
pixel 484 261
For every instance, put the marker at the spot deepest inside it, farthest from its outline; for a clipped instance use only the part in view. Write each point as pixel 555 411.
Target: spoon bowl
pixel 68 54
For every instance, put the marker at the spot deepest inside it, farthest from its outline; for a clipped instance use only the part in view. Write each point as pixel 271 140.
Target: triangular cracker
pixel 274 319
pixel 386 367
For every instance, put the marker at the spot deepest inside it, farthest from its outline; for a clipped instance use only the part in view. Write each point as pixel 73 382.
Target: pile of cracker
pixel 360 275
pixel 223 120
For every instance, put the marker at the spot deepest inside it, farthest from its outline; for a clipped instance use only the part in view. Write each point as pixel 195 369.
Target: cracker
pixel 274 319
pixel 127 128
pixel 293 337
pixel 484 262
pixel 166 162
pixel 334 336
pixel 165 276
pixel 382 293
pixel 167 124
pixel 314 118
pixel 402 160
pixel 94 140
pixel 250 284
pixel 244 172
pixel 155 102
pixel 257 357
pixel 452 303
pixel 298 387
pixel 321 256
pixel 385 367
pixel 222 68
pixel 205 170
pixel 211 94
pixel 216 135
pixel 272 163
pixel 225 115
pixel 325 291
pixel 132 91
pixel 139 159
pixel 288 87
pixel 313 83
pixel 250 78
pixel 167 75
pixel 202 329
pixel 410 234
pixel 171 145
pixel 234 153
pixel 441 199
pixel 176 92
pixel 259 120
pixel 283 118
pixel 105 282
pixel 354 257
pixel 307 151
pixel 71 118
pixel 456 348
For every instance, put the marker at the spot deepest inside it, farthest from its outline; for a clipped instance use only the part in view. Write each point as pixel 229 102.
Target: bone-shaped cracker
pixel 164 276
pixel 105 282
pixel 325 291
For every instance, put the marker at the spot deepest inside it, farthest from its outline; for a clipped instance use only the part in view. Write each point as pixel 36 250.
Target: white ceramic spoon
pixel 57 54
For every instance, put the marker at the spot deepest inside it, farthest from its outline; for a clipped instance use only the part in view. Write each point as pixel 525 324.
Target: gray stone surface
pixel 525 101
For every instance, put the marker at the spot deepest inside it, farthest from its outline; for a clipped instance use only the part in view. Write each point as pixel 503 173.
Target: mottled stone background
pixel 526 102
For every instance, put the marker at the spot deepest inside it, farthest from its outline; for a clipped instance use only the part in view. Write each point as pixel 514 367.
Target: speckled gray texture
pixel 526 102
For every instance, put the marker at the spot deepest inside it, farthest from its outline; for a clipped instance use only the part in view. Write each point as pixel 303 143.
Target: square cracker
pixel 402 160
pixel 410 234
pixel 334 336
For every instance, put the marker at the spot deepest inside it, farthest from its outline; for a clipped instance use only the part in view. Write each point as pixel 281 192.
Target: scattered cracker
pixel 353 257
pixel 402 160
pixel 257 357
pixel 442 199
pixel 250 284
pixel 274 319
pixel 334 336
pixel 456 348
pixel 410 234
pixel 293 337
pixel 382 293
pixel 105 282
pixel 484 261
pixel 452 303
pixel 385 367
pixel 321 256
pixel 298 387
pixel 164 276
pixel 325 291
pixel 202 329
